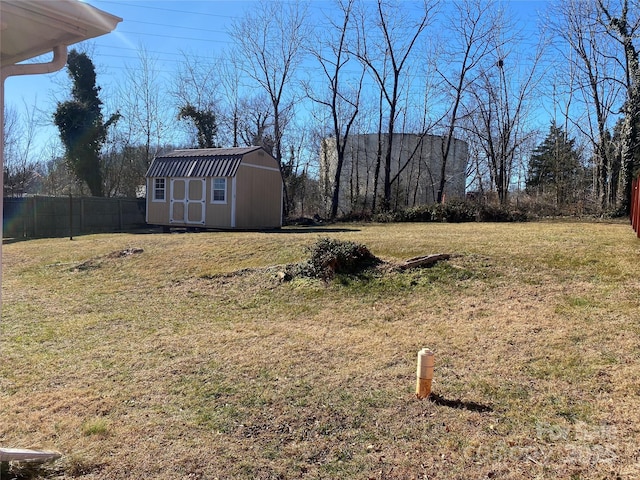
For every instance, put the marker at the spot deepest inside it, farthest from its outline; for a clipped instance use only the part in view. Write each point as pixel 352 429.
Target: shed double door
pixel 188 201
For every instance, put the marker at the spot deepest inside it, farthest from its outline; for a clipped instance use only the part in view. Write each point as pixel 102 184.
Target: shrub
pixel 330 257
pixel 615 212
pixel 500 213
pixel 355 217
pixel 420 213
pixel 389 217
pixel 455 211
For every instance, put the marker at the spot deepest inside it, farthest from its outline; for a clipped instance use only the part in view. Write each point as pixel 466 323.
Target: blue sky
pixel 164 28
pixel 167 29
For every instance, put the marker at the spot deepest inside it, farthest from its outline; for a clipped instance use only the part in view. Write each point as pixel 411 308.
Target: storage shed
pixel 222 188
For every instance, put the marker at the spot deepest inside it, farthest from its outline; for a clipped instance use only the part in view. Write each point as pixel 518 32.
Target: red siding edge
pixel 635 206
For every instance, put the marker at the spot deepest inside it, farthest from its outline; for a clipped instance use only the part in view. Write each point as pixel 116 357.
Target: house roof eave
pixel 30 28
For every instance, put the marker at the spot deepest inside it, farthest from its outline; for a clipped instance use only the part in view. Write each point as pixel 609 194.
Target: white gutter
pixel 72 22
pixel 28 455
pixel 33 27
pixel 59 61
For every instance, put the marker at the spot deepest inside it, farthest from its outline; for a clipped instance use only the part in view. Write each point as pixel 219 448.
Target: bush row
pixel 452 212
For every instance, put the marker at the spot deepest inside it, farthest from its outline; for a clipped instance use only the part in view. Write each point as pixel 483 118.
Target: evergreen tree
pixel 554 167
pixel 81 125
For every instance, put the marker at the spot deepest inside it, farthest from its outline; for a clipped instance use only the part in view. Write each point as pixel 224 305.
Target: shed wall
pixel 262 208
pixel 260 158
pixel 157 211
pixel 216 215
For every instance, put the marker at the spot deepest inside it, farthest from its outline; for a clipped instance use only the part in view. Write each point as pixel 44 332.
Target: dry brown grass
pixel 162 365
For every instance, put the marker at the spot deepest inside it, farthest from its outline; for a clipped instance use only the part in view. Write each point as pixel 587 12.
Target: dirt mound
pixel 96 262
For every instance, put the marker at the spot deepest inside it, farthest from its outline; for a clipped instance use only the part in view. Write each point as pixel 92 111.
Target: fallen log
pixel 424 261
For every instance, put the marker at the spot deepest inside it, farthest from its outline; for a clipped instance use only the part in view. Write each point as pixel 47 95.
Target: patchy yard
pixel 193 359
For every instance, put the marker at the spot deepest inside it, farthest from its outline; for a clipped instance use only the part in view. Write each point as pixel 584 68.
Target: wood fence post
pixel 120 227
pixel 81 214
pixel 70 216
pixel 35 215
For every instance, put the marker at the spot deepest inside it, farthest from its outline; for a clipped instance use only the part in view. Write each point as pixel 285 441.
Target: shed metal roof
pixel 203 162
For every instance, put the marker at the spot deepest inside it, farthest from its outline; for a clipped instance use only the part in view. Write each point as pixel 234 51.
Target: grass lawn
pixel 191 360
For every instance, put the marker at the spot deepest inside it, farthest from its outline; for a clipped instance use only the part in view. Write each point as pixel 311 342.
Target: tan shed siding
pixel 261 204
pixel 218 214
pixel 157 211
pixel 260 158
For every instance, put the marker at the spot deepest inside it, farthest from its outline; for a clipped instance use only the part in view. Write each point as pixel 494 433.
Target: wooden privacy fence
pixel 635 206
pixel 31 217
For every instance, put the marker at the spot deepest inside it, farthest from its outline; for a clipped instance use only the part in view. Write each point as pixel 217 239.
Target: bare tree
pixel 256 122
pixel 57 179
pixel 386 56
pixel 196 92
pixel 20 162
pixel 10 133
pixel 271 38
pixel 592 62
pixel 300 161
pixel 499 115
pixel 473 31
pixel 231 111
pixel 477 172
pixel 11 140
pixel 145 111
pixel 342 97
pixel 143 130
pixel 625 26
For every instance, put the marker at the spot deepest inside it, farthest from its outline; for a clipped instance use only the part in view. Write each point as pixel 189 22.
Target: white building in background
pixel 416 167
